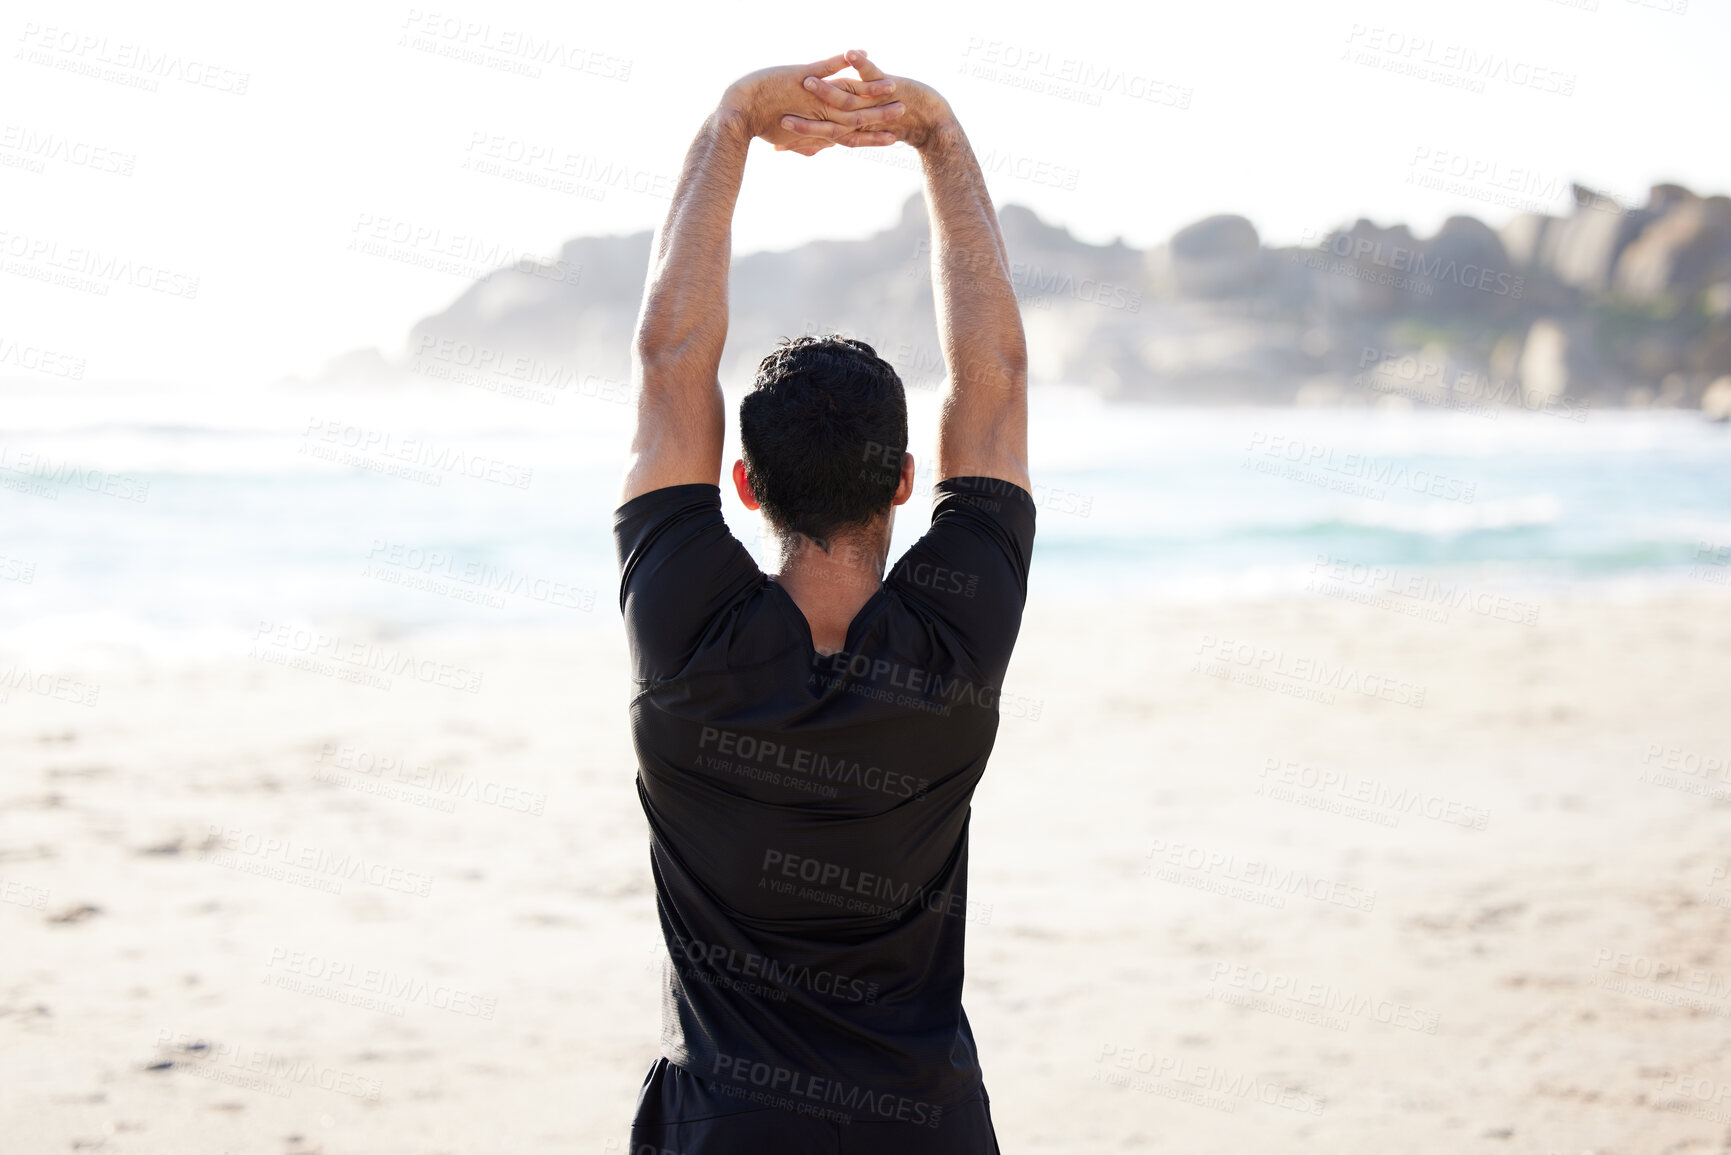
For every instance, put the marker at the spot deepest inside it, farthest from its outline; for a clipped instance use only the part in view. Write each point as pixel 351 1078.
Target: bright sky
pixel 272 135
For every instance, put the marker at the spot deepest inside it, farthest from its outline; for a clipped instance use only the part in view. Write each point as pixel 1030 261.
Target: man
pixel 808 741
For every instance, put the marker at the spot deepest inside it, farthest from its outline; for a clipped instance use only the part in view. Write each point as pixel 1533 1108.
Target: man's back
pixel 808 744
pixel 809 812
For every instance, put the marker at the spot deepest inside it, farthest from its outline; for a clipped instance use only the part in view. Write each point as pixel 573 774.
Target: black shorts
pixel 681 1114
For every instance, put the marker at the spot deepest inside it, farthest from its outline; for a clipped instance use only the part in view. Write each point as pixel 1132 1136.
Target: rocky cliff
pixel 1606 305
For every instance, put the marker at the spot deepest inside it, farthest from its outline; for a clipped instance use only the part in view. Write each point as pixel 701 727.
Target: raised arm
pixel 983 424
pixel 676 353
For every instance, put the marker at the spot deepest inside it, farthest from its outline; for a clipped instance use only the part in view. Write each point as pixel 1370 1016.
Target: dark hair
pixel 823 431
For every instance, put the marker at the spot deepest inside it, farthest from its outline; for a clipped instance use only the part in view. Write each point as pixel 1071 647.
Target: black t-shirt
pixel 808 813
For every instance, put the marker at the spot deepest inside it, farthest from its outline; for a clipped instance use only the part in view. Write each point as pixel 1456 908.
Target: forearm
pixel 979 323
pixel 676 353
pixel 683 322
pixel 682 328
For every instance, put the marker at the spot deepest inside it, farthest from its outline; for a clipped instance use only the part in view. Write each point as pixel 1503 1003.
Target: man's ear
pixel 905 486
pixel 743 484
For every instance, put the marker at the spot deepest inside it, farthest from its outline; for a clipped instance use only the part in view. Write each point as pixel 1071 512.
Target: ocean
pixel 156 521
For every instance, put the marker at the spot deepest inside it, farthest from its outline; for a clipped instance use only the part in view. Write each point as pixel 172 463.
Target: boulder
pixel 1524 238
pixel 1716 401
pixel 1216 257
pixel 1552 364
pixel 1582 251
pixel 1710 351
pixel 1683 252
pixel 1469 267
pixel 1370 270
pixel 1662 198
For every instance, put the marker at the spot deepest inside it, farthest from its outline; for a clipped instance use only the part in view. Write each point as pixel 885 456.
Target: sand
pixel 1478 901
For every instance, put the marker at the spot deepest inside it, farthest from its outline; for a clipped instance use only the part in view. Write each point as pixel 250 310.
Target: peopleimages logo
pixel 369 987
pixel 1034 283
pixel 1169 1073
pixel 913 687
pixel 133 65
pixel 939 579
pixel 257 1069
pixel 1187 864
pixel 860 891
pixel 1420 379
pixel 60 687
pixel 505 48
pixel 805 1090
pixel 39 360
pixel 89 269
pixel 1372 792
pixel 1066 77
pixel 1339 576
pixel 741 967
pixel 230 845
pixel 781 756
pixel 351 659
pixel 1364 468
pixel 447 785
pixel 1277 667
pixel 1328 998
pixel 38 467
pixel 1400 259
pixel 1463 66
pixel 470 580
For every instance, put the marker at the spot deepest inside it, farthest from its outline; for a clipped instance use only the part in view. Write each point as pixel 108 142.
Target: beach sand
pixel 1473 898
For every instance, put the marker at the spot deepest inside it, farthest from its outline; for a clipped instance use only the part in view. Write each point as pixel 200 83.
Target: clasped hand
pixel 806 108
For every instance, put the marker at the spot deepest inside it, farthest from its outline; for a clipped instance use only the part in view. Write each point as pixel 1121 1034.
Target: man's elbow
pixel 1010 357
pixel 1006 370
pixel 649 351
pixel 654 364
pixel 659 354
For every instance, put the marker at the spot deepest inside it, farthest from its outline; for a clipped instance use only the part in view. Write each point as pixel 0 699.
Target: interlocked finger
pixel 844 123
pixel 832 132
pixel 867 140
pixel 827 130
pixel 875 115
pixel 826 67
pixel 848 94
pixel 866 69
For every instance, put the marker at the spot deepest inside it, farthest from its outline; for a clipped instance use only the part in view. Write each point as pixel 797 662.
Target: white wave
pixel 1453 518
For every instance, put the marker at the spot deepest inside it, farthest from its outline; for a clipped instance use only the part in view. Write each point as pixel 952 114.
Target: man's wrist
pixel 732 121
pixel 943 138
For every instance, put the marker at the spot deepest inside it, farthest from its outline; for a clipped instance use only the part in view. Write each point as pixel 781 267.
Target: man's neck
pixel 830 586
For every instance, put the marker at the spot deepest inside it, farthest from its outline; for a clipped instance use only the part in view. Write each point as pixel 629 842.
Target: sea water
pixel 156 520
